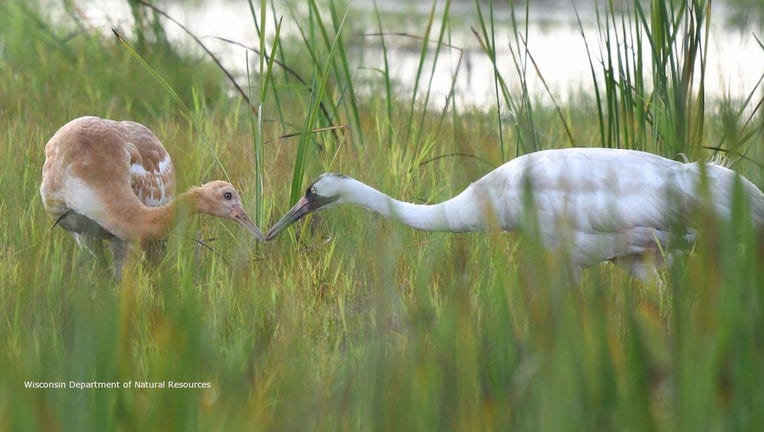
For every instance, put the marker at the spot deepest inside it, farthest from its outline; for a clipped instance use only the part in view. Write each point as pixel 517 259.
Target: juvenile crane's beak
pixel 240 216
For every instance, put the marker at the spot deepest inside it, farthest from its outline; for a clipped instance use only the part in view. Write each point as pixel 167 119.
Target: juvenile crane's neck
pixel 155 223
pixel 455 215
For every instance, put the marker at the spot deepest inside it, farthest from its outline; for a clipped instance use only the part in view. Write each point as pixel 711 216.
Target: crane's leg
pixel 92 244
pixel 119 251
pixel 155 250
pixel 641 267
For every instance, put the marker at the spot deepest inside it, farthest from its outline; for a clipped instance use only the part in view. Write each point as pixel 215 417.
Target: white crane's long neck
pixel 455 215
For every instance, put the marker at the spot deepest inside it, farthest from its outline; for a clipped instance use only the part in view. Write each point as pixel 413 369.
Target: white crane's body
pixel 110 180
pixel 598 204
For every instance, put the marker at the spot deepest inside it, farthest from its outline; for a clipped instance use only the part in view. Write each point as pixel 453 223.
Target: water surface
pixel 735 61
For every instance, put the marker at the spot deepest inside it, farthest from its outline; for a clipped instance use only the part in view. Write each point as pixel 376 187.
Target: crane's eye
pixel 228 196
pixel 313 190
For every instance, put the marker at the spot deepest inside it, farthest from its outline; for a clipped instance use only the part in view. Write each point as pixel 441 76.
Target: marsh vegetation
pixel 349 321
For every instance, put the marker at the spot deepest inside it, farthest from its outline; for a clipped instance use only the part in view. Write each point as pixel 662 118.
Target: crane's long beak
pixel 303 207
pixel 240 216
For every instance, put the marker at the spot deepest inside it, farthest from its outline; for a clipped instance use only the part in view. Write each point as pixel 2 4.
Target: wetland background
pixel 348 321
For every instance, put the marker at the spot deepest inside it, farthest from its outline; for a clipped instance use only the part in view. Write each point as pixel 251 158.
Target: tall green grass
pixel 358 323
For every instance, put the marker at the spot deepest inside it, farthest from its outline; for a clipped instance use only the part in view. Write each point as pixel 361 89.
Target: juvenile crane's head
pixel 327 191
pixel 219 198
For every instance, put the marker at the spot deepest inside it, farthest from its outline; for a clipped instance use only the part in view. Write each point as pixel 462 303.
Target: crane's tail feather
pixel 721 185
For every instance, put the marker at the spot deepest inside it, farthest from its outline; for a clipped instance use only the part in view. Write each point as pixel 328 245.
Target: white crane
pixel 599 204
pixel 110 180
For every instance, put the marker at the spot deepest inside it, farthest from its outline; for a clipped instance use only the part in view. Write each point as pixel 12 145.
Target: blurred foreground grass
pixel 360 324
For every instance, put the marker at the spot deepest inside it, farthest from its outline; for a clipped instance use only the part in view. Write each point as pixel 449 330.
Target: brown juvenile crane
pixel 113 180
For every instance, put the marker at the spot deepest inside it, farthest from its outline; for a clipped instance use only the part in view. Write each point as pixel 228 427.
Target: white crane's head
pixel 219 198
pixel 328 190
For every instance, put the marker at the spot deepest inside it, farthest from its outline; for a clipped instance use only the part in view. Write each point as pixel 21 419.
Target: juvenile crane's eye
pixel 228 196
pixel 313 190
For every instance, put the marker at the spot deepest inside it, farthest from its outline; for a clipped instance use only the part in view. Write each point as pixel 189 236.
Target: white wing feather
pixel 599 203
pixel 153 188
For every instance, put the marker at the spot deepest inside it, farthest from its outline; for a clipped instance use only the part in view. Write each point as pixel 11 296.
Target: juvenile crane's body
pixel 598 204
pixel 109 180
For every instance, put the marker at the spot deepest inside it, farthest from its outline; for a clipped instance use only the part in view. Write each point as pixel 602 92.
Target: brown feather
pixel 105 179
